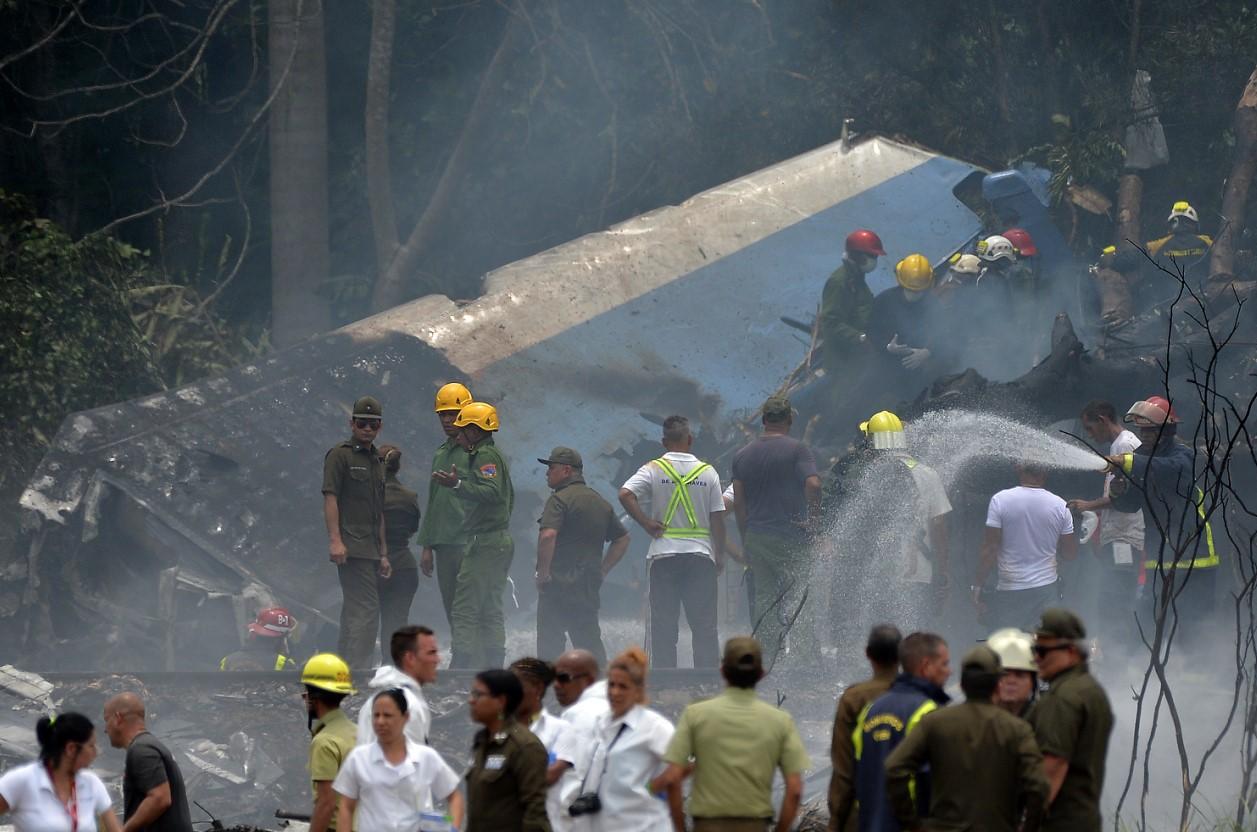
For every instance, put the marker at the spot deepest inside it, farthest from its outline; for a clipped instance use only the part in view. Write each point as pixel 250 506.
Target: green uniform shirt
pixel 401 519
pixel 354 475
pixel 842 750
pixel 487 492
pixel 984 767
pixel 1073 720
pixel 506 783
pixel 443 518
pixel 334 737
pixel 584 522
pixel 846 302
pixel 738 742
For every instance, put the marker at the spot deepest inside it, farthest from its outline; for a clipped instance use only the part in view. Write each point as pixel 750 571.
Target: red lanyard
pixel 72 805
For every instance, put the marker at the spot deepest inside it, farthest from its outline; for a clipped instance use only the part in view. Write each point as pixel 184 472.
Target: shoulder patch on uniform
pixel 489 470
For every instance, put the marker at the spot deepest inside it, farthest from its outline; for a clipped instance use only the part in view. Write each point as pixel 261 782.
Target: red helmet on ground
pixel 865 242
pixel 1153 410
pixel 274 622
pixel 1022 240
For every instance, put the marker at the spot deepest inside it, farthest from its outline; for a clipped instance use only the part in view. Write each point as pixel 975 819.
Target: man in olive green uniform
pixel 985 766
pixel 327 682
pixel 846 302
pixel 479 627
pixel 441 534
pixel 575 523
pixel 353 511
pixel 1072 722
pixel 882 651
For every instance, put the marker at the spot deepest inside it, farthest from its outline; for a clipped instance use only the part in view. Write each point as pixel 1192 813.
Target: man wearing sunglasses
pixel 1072 722
pixel 353 510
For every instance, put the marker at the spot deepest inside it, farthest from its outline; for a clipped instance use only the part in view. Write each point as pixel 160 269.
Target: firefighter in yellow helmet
pixel 485 489
pixel 1183 249
pixel 899 329
pixel 441 532
pixel 327 682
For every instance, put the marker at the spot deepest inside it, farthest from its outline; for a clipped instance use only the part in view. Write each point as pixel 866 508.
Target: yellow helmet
pixel 328 671
pixel 914 273
pixel 1183 209
pixel 886 431
pixel 453 396
pixel 480 414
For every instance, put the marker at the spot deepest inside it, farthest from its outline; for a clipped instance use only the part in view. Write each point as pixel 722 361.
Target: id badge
pixel 1122 553
pixel 494 762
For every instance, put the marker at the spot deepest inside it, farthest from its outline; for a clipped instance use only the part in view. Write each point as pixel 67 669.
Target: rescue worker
pixel 1183 249
pixel 266 647
pixel 845 305
pixel 882 651
pixel 973 303
pixel 441 533
pixel 478 622
pixel 353 511
pixel 327 682
pixel 1072 722
pixel 882 725
pixel 1019 678
pixel 1112 288
pixel 575 524
pixel 985 766
pixel 1178 544
pixel 901 329
pixel 401 520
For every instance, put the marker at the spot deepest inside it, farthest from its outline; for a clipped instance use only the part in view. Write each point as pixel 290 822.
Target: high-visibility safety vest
pixel 281 662
pixel 682 501
pixel 1206 562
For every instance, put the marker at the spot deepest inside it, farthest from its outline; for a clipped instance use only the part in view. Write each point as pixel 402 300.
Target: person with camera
pixel 506 781
pixel 631 742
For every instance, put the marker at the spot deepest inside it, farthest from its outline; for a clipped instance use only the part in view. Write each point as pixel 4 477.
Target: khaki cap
pixel 1060 623
pixel 982 658
pixel 563 456
pixel 368 407
pixel 743 653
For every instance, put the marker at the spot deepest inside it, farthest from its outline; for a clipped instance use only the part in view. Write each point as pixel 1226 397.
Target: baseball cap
pixel 982 658
pixel 743 653
pixel 777 406
pixel 562 456
pixel 1060 623
pixel 368 407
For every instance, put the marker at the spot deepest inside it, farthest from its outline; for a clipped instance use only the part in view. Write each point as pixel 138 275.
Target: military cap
pixel 982 658
pixel 743 653
pixel 1060 623
pixel 368 407
pixel 777 406
pixel 563 456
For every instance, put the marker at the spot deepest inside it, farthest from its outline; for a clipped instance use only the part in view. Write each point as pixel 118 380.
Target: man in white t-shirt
pixel 682 515
pixel 1120 547
pixel 1027 528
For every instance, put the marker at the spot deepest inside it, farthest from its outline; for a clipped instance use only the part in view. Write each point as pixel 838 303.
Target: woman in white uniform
pixel 57 793
pixel 536 676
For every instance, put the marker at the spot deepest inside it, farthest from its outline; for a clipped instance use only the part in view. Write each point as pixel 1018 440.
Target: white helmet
pixel 1183 209
pixel 995 248
pixel 1013 647
pixel 966 264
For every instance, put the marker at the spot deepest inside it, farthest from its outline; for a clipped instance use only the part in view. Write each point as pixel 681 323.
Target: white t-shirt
pixel 418 716
pixel 1121 526
pixel 932 502
pixel 1032 521
pixel 390 797
pixel 631 759
pixel 653 490
pixel 35 807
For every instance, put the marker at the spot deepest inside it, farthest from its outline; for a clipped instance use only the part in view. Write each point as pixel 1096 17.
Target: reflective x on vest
pixel 1208 561
pixel 681 500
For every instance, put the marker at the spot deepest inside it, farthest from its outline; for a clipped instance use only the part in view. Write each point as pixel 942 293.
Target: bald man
pixel 584 699
pixel 152 785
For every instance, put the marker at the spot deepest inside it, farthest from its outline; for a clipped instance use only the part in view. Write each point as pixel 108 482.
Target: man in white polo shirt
pixel 683 498
pixel 1027 528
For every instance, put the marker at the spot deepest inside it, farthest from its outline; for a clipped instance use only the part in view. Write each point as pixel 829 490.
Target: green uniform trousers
pixel 477 621
pixel 397 593
pixel 448 559
pixel 359 611
pixel 782 568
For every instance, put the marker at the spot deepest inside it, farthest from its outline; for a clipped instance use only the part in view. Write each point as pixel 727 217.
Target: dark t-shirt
pixel 149 764
pixel 771 470
pixel 584 521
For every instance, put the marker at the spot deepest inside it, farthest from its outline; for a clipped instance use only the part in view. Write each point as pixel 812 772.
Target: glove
pixel 915 358
pixel 896 348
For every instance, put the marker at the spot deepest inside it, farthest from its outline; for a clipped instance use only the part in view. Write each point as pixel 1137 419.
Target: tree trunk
pixel 1130 193
pixel 1234 198
pixel 376 122
pixel 298 166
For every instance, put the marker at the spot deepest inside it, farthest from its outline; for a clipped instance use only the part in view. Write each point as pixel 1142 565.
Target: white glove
pixel 915 358
pixel 896 348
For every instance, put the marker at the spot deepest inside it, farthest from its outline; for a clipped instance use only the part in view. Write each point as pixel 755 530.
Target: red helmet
pixel 1022 240
pixel 1152 411
pixel 273 623
pixel 865 242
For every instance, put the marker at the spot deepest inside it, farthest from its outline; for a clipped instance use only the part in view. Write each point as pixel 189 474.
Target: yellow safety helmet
pixel 328 671
pixel 915 273
pixel 1107 250
pixel 886 431
pixel 452 396
pixel 480 414
pixel 1013 647
pixel 1182 208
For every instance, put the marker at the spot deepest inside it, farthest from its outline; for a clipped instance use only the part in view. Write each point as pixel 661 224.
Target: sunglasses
pixel 1042 650
pixel 564 678
pixel 367 424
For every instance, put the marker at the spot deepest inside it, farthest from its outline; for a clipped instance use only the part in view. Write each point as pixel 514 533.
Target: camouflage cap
pixel 1060 623
pixel 982 658
pixel 562 456
pixel 368 407
pixel 743 653
pixel 777 407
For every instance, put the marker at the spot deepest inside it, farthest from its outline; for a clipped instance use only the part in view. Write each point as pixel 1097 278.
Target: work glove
pixel 914 358
pixel 896 348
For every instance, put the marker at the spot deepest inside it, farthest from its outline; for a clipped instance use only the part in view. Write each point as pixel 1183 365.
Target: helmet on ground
pixel 966 264
pixel 1014 649
pixel 327 671
pixel 480 414
pixel 996 247
pixel 864 241
pixel 1182 208
pixel 1022 241
pixel 452 396
pixel 274 622
pixel 1150 412
pixel 914 272
pixel 886 431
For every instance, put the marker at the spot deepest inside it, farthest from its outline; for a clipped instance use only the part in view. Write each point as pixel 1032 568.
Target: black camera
pixel 587 804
